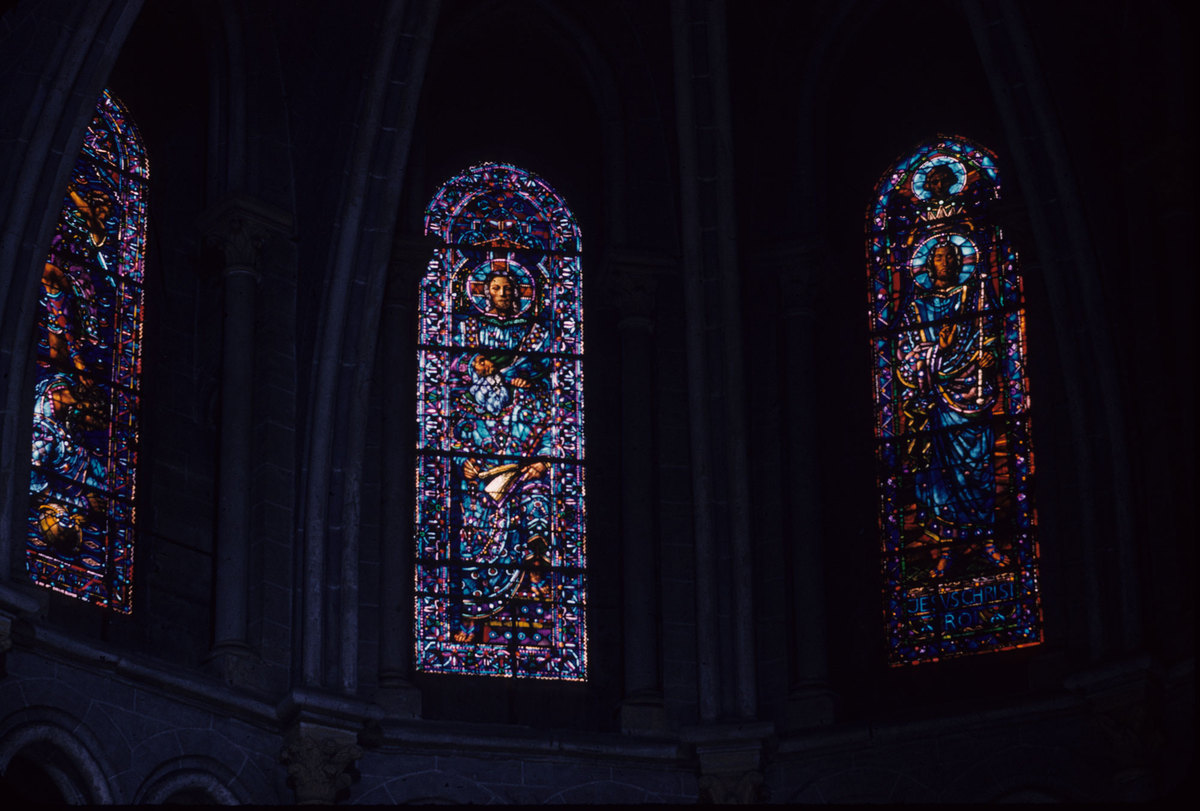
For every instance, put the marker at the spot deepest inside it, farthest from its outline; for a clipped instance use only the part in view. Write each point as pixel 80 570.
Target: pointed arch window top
pixel 113 141
pixel 500 205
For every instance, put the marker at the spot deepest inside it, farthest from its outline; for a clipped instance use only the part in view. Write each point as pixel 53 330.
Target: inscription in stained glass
pixel 951 410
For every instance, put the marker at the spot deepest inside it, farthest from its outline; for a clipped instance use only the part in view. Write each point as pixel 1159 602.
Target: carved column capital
pixel 731 789
pixel 317 766
pixel 635 291
pixel 237 229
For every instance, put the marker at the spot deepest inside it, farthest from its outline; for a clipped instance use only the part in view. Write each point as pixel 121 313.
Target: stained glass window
pixel 80 534
pixel 947 324
pixel 500 546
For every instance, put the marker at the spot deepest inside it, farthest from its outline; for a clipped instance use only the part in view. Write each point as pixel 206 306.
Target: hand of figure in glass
pixel 519 383
pixel 97 504
pixel 534 470
pixel 471 470
pixel 946 335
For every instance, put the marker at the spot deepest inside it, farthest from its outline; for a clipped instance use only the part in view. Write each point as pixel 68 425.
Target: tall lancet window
pixel 500 544
pixel 80 534
pixel 960 556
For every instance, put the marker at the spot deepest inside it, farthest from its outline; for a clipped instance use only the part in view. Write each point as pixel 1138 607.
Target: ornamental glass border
pixel 951 404
pixel 87 378
pixel 500 574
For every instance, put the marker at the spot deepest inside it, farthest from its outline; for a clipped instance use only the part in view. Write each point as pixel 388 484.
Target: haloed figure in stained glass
pixel 503 411
pixel 499 524
pixel 957 522
pixel 946 363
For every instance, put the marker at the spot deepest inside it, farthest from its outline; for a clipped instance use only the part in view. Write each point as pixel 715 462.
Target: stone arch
pixel 61 749
pixel 194 780
pixel 58 108
pixel 1028 795
pixel 600 791
pixel 431 788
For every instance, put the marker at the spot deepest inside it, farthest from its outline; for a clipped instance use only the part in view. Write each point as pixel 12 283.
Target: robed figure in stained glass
pixel 946 358
pixel 504 408
pixel 501 586
pixel 951 406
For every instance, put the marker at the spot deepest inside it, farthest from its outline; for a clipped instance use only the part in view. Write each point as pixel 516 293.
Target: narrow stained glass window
pixel 500 551
pixel 947 325
pixel 80 528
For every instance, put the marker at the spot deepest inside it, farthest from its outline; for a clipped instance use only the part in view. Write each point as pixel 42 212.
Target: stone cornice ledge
pixel 351 714
pixel 201 693
pixel 337 710
pixel 20 601
pixel 526 740
pixel 856 735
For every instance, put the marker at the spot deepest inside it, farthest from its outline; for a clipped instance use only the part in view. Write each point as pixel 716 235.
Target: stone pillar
pixel 810 702
pixel 237 229
pixel 642 706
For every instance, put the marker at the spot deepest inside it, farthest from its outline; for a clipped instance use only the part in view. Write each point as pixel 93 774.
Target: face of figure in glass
pixel 944 266
pixel 503 294
pixel 939 182
pixel 483 366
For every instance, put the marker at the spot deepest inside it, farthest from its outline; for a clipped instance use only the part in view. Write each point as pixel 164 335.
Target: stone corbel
pixel 729 759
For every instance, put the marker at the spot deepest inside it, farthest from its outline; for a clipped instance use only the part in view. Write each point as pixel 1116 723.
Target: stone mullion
pixel 238 229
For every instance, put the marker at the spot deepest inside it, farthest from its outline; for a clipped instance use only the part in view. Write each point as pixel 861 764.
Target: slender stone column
pixel 642 707
pixel 810 702
pixel 703 487
pixel 397 355
pixel 237 229
pixel 727 668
